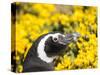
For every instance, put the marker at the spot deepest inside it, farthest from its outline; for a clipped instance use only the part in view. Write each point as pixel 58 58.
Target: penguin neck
pixel 40 50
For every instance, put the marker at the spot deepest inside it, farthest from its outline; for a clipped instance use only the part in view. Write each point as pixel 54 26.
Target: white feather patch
pixel 40 49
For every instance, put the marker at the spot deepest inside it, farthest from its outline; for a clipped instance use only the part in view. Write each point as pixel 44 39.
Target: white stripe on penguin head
pixel 40 49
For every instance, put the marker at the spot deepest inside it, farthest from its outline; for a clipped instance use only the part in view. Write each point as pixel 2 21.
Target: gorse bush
pixel 33 20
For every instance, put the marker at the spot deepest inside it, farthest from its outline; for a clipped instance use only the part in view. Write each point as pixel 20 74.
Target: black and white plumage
pixel 45 49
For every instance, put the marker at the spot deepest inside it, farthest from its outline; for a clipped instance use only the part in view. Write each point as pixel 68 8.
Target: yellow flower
pixel 59 67
pixel 78 62
pixel 64 19
pixel 49 7
pixel 44 14
pixel 21 45
pixel 66 61
pixel 20 68
pixel 17 58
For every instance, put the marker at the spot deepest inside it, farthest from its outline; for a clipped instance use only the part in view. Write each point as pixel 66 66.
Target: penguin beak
pixel 68 38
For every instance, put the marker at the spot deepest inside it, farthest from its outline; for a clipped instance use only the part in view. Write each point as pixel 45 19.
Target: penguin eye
pixel 55 39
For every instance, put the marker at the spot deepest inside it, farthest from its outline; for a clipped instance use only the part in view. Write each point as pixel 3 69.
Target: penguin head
pixel 55 44
pixel 52 45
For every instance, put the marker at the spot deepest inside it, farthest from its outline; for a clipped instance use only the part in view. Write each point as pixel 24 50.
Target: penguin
pixel 45 50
